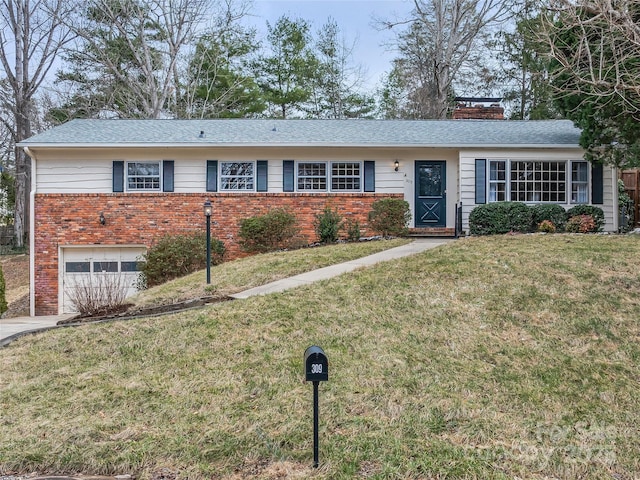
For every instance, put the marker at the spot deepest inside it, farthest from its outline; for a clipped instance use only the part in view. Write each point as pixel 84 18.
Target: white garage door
pixel 98 275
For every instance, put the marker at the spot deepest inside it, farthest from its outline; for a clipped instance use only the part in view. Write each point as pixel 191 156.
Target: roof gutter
pixel 299 145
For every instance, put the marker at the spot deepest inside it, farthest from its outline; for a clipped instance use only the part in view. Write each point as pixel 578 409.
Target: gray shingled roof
pixel 368 133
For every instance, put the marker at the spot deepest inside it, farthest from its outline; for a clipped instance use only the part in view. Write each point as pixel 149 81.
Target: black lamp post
pixel 207 213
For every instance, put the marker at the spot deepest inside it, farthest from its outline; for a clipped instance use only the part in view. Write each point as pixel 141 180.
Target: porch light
pixel 208 209
pixel 396 164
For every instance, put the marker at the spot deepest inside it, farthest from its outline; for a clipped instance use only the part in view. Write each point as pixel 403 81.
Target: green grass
pixel 487 358
pixel 236 276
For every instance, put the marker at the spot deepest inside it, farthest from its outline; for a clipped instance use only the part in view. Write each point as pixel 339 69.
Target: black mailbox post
pixel 316 370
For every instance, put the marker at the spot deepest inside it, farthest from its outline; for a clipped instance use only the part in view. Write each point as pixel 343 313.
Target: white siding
pixel 73 172
pixel 68 176
pixel 467 179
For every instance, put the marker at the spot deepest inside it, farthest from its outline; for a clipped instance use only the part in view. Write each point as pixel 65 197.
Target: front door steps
pixel 444 232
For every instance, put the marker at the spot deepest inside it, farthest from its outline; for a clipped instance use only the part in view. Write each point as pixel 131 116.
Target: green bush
pixel 500 217
pixel 625 208
pixel 353 230
pixel 174 256
pixel 3 298
pixel 275 230
pixel 390 217
pixel 595 212
pixel 555 213
pixel 327 224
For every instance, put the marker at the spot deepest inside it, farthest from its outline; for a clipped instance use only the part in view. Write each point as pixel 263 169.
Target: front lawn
pixel 490 358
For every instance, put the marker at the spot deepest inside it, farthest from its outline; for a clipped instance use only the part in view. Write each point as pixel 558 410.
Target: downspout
pixel 616 200
pixel 32 246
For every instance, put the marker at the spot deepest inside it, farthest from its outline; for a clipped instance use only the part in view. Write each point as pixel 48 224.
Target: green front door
pixel 431 194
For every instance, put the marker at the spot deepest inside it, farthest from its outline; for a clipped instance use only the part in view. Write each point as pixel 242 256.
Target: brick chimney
pixel 468 108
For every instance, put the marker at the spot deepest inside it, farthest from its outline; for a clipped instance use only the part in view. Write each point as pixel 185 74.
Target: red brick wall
pixel 480 112
pixel 74 219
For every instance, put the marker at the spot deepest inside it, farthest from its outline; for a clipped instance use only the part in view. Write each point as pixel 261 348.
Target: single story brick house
pixel 104 190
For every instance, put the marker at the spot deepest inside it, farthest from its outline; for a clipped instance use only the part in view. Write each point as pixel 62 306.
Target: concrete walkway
pixel 12 328
pixel 417 246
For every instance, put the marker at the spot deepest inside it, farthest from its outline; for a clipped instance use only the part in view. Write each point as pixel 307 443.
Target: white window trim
pixel 568 179
pixel 588 182
pixel 137 190
pixel 360 176
pixel 221 178
pixel 329 176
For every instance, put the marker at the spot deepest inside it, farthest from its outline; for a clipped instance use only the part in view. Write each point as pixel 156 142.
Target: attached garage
pixel 97 274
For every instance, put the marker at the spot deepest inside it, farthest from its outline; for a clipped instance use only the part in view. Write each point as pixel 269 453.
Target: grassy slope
pixel 236 276
pixel 487 358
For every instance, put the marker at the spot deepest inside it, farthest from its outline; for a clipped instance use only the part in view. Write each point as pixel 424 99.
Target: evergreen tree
pixel 525 67
pixel 286 73
pixel 219 81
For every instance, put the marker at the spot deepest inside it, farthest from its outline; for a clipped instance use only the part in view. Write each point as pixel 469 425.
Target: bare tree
pixel 31 38
pixel 451 30
pixel 595 46
pixel 337 86
pixel 130 51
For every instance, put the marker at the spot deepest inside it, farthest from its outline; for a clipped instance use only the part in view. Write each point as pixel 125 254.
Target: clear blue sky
pixel 355 19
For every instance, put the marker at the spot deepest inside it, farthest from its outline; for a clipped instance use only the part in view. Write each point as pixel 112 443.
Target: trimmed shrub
pixel 499 218
pixel 174 256
pixel 546 226
pixel 327 224
pixel 595 212
pixel 275 230
pixel 552 212
pixel 581 224
pixel 390 217
pixel 3 297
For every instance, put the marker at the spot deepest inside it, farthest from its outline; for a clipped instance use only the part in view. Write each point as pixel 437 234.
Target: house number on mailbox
pixel 316 368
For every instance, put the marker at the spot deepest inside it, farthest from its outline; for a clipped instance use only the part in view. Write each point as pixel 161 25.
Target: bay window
pixel 533 181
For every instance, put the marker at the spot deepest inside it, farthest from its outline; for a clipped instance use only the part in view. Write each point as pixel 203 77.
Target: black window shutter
pixel 369 176
pixel 288 175
pixel 212 175
pixel 118 176
pixel 481 181
pixel 167 175
pixel 261 184
pixel 597 184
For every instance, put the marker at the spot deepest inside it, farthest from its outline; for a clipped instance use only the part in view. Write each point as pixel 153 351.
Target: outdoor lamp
pixel 396 164
pixel 208 208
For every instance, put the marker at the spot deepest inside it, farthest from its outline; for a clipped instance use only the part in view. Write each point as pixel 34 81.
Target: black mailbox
pixel 316 365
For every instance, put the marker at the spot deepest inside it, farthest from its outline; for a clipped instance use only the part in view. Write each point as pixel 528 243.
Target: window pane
pixel 77 267
pixel 579 182
pixel 345 176
pixel 236 176
pixel 497 181
pixel 130 266
pixel 143 175
pixel 312 176
pixel 105 267
pixel 538 181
